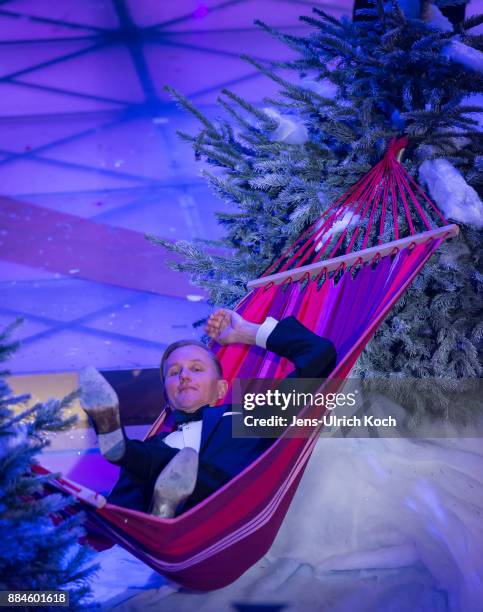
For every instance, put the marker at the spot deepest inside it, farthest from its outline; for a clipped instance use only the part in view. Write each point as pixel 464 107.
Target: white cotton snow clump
pixel 454 197
pixel 348 220
pixel 463 54
pixel 435 18
pixel 324 88
pixel 289 130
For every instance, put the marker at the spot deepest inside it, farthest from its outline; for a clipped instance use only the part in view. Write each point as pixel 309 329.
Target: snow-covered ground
pixel 377 524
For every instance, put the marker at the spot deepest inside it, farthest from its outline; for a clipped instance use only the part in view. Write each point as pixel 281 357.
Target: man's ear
pixel 222 387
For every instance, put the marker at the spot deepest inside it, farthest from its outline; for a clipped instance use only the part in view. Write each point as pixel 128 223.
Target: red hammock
pixel 343 297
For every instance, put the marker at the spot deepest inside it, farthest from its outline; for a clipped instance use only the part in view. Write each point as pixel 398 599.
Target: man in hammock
pixel 169 473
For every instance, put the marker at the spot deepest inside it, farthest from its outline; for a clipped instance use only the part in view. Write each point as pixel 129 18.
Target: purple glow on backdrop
pixel 87 130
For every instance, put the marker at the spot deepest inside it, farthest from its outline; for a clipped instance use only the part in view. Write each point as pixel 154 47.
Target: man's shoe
pixel 175 483
pixel 99 400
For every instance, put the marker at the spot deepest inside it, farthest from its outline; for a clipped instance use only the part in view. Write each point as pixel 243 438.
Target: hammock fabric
pixel 338 292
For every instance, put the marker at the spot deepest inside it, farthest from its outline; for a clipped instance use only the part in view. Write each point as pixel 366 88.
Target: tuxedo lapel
pixel 211 418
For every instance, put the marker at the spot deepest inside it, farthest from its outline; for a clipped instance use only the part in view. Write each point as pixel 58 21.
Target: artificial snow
pixel 435 18
pixel 289 130
pixel 376 524
pixel 348 220
pixel 325 87
pixel 454 197
pixel 463 54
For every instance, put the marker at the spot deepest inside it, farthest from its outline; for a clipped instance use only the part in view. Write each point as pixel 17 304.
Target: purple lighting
pixel 90 162
pixel 200 11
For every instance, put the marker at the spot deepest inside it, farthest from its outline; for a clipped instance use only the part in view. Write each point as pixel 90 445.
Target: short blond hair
pixel 178 344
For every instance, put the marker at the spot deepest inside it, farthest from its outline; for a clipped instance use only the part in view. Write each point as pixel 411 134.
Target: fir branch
pixel 328 18
pixel 472 22
pixel 186 104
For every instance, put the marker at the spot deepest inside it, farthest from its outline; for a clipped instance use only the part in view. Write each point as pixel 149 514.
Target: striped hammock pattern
pixel 343 296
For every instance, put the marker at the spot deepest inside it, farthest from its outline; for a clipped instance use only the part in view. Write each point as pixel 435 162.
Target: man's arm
pixel 313 356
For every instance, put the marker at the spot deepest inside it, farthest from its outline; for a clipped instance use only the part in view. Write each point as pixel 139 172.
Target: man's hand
pixel 228 327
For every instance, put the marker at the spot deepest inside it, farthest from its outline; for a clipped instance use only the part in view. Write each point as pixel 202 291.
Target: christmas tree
pixel 355 86
pixel 38 551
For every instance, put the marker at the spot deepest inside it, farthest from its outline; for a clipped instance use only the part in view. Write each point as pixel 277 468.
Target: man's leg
pixel 100 402
pixel 146 465
pixel 175 483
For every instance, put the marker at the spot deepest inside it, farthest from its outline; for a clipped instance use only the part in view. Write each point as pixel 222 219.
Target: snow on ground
pixel 377 524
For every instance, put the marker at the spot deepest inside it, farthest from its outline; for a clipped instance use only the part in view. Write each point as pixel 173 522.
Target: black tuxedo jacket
pixel 221 456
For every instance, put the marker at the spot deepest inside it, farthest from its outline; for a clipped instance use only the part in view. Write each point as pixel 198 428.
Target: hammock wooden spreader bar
pixel 81 493
pixel 344 262
pixel 379 209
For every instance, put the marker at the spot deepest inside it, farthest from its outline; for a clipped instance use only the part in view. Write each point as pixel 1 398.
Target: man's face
pixel 191 379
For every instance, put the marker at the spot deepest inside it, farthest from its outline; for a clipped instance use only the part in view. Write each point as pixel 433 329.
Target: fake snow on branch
pixel 348 220
pixel 468 57
pixel 454 197
pixel 324 88
pixel 289 130
pixel 455 50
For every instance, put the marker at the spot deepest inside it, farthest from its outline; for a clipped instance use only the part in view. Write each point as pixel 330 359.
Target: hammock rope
pixel 341 281
pixel 388 184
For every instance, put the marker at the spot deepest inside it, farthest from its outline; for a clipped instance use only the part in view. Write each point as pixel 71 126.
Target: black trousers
pixel 141 465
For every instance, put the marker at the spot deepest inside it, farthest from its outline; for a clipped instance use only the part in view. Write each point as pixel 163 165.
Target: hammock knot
pixel 376 259
pixel 396 145
pixel 321 274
